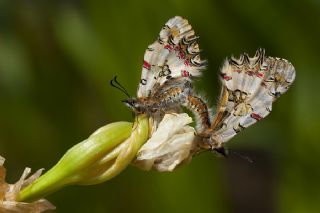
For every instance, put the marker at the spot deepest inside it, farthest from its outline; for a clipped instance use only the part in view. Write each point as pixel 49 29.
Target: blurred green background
pixel 56 61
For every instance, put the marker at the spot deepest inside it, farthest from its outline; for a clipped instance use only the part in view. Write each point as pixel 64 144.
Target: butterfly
pixel 169 66
pixel 249 88
pixel 250 85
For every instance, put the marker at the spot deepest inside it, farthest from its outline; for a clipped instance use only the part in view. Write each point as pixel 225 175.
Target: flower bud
pixel 102 156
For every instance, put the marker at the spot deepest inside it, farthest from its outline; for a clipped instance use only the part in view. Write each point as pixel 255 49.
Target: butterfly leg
pixel 135 123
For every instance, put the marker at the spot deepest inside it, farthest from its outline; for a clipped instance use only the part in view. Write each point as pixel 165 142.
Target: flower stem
pixel 102 156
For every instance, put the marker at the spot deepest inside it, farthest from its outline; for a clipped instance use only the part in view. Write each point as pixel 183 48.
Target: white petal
pixel 170 144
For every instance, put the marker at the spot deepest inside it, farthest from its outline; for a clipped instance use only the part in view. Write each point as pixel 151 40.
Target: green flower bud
pixel 106 153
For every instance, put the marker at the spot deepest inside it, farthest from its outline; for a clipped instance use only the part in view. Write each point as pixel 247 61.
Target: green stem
pixel 105 154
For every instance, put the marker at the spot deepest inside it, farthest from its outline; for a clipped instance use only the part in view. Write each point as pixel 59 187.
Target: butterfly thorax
pixel 162 102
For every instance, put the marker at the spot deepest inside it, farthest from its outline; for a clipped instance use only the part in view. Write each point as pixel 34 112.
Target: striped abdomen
pixel 200 110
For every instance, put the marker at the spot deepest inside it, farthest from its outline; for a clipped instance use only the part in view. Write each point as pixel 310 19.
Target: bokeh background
pixel 56 61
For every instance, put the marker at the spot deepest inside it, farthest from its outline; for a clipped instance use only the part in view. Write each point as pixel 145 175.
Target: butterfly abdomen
pixel 200 110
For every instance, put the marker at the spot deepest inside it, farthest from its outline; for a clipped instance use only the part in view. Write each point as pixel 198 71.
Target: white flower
pixel 170 144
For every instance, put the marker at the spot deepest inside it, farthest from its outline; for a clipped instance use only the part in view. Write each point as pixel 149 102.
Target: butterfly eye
pixel 129 102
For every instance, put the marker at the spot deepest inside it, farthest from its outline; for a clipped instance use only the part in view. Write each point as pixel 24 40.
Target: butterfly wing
pixel 174 55
pixel 249 87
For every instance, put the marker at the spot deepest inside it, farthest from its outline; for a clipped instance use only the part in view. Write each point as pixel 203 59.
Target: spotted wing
pixel 250 86
pixel 174 55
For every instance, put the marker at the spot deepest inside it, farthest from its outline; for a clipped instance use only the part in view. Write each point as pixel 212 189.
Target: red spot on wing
pixel 181 55
pixel 260 75
pixel 185 73
pixel 238 71
pixel 187 63
pixel 256 116
pixel 146 65
pixel 227 78
pixel 168 47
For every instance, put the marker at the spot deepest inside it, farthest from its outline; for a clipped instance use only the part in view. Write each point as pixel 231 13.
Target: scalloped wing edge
pixel 249 88
pixel 175 54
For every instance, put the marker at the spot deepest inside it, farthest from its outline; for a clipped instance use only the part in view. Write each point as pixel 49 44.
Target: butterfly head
pixel 134 104
pixel 209 143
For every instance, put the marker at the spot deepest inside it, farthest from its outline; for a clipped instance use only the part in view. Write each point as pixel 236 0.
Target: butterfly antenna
pixel 119 86
pixel 246 158
pixel 124 89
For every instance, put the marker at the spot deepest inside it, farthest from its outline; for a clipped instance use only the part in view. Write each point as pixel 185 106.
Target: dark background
pixel 56 61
